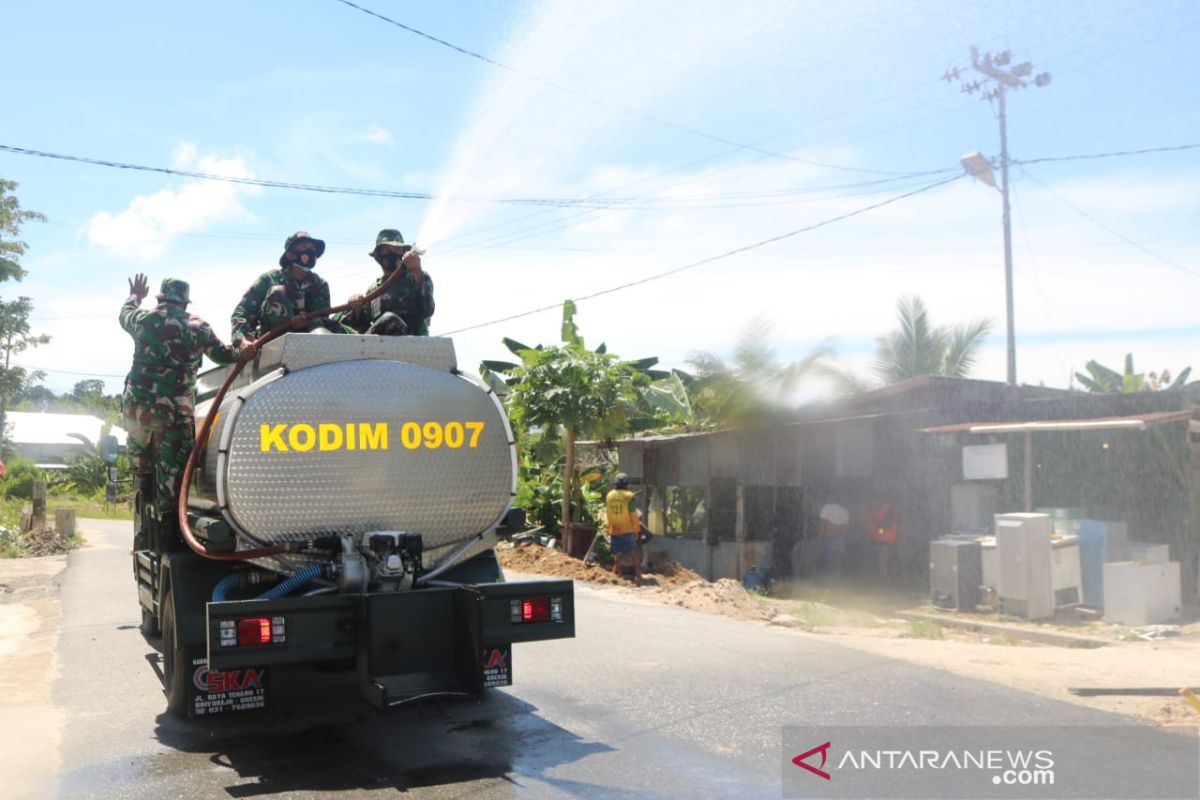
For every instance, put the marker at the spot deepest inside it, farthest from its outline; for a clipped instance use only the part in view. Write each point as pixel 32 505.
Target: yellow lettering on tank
pixel 302 437
pixel 373 435
pixel 271 436
pixel 330 436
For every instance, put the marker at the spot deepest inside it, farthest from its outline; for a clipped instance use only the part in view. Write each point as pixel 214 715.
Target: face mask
pixel 304 259
pixel 390 262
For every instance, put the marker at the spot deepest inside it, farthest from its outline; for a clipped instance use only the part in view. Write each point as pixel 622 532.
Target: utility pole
pixel 998 82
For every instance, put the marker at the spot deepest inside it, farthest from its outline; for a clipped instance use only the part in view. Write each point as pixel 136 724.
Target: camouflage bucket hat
pixel 390 237
pixel 175 291
pixel 301 236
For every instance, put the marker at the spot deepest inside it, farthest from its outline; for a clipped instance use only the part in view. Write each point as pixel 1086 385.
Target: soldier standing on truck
pixel 407 305
pixel 279 295
pixel 158 404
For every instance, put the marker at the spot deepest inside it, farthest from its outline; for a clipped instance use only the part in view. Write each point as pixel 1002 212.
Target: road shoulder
pixel 30 725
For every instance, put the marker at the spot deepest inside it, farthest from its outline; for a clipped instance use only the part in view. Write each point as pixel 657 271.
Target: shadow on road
pixel 318 735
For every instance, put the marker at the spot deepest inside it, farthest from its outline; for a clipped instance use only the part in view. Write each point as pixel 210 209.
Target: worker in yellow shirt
pixel 624 522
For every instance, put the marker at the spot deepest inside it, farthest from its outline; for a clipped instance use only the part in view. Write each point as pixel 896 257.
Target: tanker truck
pixel 342 512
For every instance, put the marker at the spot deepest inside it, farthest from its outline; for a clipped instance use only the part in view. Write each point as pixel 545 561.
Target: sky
pixel 555 150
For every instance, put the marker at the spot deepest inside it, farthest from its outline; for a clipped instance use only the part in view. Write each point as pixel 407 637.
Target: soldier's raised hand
pixel 412 260
pixel 139 287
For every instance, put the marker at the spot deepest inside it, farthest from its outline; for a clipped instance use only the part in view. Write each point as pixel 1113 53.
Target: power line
pixel 557 202
pixel 710 259
pixel 24 151
pixel 501 241
pixel 604 103
pixel 1110 154
pixel 1117 234
pixel 595 203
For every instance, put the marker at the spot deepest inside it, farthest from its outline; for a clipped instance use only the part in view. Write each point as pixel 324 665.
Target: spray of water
pixel 526 138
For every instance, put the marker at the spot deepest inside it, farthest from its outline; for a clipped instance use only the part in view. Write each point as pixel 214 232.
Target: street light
pixel 990 65
pixel 979 167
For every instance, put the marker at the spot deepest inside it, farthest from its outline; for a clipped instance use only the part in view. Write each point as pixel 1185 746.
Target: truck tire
pixel 177 667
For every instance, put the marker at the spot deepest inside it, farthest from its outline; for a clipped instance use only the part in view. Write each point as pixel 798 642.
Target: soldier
pixel 158 403
pixel 279 295
pixel 407 305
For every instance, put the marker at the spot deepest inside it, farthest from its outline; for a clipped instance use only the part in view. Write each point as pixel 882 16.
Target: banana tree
pixel 1103 380
pixel 568 388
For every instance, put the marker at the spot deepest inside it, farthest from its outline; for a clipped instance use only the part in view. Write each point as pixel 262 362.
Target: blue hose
pixel 221 590
pixel 289 585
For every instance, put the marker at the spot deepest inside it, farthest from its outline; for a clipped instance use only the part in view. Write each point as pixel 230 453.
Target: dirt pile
pixel 726 597
pixel 675 573
pixel 670 583
pixel 531 557
pixel 42 542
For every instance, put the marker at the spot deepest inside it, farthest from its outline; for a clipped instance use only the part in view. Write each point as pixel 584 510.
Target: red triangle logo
pixel 823 749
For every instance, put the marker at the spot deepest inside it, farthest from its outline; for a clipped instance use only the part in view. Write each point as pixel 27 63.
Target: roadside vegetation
pixel 80 487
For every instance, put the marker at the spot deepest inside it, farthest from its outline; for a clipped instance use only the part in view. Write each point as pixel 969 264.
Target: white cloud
pixel 378 135
pixel 145 229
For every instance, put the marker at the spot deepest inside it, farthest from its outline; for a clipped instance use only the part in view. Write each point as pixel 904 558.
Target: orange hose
pixel 294 324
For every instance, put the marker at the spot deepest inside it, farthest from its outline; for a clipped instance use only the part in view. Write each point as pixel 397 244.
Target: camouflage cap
pixel 301 236
pixel 174 291
pixel 390 237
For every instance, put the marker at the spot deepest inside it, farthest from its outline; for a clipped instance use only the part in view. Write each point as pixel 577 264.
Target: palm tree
pixel 753 385
pixel 919 348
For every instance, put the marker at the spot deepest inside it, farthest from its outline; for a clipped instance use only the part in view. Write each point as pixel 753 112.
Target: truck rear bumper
pixel 408 644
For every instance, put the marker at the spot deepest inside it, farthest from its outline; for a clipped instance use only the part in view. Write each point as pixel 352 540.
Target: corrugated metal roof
pixel 675 437
pixel 33 428
pixel 1132 421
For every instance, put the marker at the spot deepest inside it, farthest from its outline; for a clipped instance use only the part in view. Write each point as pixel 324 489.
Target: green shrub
pixel 19 477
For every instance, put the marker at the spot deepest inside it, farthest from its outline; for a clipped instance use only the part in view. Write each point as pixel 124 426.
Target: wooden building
pixel 946 453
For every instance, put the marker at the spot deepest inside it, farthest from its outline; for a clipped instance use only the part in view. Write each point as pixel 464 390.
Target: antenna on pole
pixel 998 79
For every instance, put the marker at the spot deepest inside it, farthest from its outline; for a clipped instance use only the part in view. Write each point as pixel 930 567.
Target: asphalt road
pixel 647 701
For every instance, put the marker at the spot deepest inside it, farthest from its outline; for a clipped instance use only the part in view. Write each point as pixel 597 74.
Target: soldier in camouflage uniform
pixel 407 305
pixel 158 403
pixel 283 294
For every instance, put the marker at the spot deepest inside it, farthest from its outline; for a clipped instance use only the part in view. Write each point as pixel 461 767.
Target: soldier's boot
pixel 389 324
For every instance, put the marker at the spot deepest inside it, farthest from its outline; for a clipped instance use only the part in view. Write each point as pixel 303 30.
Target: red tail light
pixel 254 630
pixel 535 609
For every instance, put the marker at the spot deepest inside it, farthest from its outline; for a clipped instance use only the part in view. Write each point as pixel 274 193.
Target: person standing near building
pixel 883 536
pixel 407 306
pixel 158 402
pixel 624 522
pixel 834 519
pixel 279 295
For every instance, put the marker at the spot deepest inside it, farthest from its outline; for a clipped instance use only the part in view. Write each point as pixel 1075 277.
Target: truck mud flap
pixel 418 644
pixel 455 640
